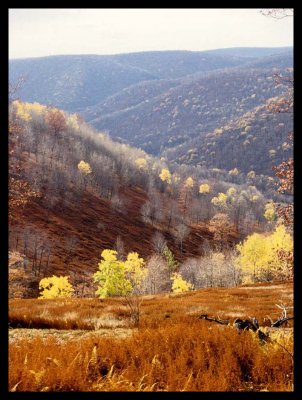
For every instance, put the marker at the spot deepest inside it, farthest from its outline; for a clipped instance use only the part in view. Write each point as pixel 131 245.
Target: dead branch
pixel 280 322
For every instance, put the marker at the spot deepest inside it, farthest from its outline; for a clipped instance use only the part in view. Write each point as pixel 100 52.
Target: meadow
pixel 90 344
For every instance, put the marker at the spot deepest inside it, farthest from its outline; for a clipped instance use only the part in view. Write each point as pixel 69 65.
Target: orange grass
pixel 172 350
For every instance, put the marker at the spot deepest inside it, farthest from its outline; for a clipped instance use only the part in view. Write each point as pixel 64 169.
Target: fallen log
pixel 219 321
pixel 248 324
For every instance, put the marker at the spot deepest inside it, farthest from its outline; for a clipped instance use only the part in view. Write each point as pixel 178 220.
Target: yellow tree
pixel 253 255
pixel 234 172
pixel 179 285
pixel 111 276
pixel 204 188
pixel 280 259
pixel 22 111
pixel 55 287
pixel 220 201
pixel 270 213
pixel 135 271
pixel 85 170
pixel 189 183
pixel 73 121
pixel 231 192
pixel 118 278
pixel 141 163
pixel 165 176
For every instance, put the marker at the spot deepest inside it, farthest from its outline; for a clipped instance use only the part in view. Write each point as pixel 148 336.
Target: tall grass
pixel 173 350
pixel 184 357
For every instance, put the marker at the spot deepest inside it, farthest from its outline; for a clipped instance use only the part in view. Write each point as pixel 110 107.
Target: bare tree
pixel 158 278
pixel 118 204
pixel 151 211
pixel 182 231
pixel 70 249
pixel 119 246
pixel 159 242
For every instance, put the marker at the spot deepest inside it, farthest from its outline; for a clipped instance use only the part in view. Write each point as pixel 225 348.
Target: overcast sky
pixel 41 32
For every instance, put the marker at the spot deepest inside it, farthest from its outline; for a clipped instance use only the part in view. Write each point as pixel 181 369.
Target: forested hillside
pixel 253 142
pixel 76 82
pixel 170 103
pixel 178 165
pixel 87 193
pixel 191 109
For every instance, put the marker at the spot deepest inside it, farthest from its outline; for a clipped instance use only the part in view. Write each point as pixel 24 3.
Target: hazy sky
pixel 41 32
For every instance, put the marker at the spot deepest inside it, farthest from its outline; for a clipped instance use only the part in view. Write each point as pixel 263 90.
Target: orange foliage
pixel 56 120
pixel 173 350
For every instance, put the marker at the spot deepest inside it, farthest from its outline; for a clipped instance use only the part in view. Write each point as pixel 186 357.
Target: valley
pixel 150 213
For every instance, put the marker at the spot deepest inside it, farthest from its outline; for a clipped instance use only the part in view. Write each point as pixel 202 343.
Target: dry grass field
pixel 90 345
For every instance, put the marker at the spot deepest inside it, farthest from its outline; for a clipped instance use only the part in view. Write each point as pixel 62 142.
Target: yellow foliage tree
pixel 179 285
pixel 122 278
pixel 189 183
pixel 220 200
pixel 234 172
pixel 55 287
pixel 141 163
pixel 231 191
pixel 73 121
pixel 204 188
pixel 22 111
pixel 253 255
pixel 176 178
pixel 135 270
pixel 165 175
pixel 281 255
pixel 270 213
pixel 84 168
pixel 263 256
pixel 111 276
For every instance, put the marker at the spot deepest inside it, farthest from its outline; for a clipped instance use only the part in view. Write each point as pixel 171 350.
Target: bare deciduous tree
pixel 182 231
pixel 159 242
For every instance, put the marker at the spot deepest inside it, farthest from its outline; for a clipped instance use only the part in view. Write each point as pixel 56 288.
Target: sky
pixel 42 32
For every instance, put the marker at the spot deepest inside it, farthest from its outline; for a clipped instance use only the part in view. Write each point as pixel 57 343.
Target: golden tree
pixel 204 188
pixel 55 287
pixel 179 285
pixel 165 175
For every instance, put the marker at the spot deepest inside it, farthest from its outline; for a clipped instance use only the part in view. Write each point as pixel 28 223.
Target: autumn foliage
pixel 55 287
pixel 262 257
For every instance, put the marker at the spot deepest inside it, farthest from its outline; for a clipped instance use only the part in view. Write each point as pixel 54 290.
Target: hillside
pixel 120 203
pixel 87 193
pixel 259 134
pixel 186 111
pixel 76 82
pixel 73 82
pixel 168 103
